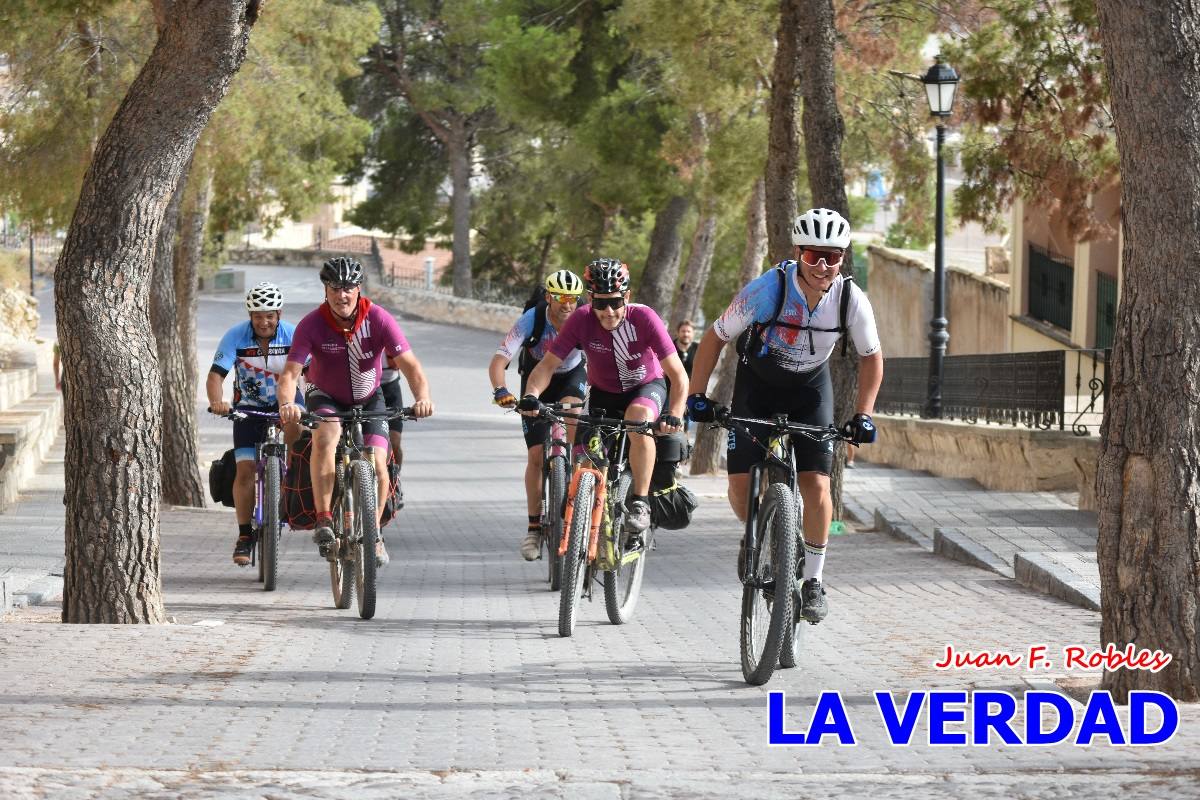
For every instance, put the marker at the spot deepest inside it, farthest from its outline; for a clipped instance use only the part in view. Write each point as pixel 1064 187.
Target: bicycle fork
pixel 597 511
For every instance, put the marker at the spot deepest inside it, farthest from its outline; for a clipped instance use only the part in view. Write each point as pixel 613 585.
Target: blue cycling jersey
pixel 255 376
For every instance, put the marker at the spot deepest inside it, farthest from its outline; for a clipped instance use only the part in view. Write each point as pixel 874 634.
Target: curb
pixel 1041 572
pixel 891 523
pixel 954 544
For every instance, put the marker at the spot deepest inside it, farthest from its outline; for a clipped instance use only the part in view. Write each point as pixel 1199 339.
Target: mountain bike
pixel 270 465
pixel 354 506
pixel 556 461
pixel 592 544
pixel 770 616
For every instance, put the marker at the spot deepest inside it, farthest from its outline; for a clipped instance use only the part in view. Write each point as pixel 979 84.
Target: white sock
pixel 814 560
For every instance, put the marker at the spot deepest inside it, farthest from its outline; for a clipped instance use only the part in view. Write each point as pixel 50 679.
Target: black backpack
pixel 525 361
pixel 758 331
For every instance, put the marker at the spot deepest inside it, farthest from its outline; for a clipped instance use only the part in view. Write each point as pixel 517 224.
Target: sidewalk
pixel 1035 538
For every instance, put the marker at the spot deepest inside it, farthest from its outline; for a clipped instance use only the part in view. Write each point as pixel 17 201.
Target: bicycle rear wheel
pixel 555 489
pixel 767 606
pixel 366 534
pixel 574 565
pixel 268 536
pixel 623 585
pixel 341 569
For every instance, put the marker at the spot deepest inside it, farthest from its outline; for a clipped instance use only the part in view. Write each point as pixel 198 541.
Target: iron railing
pixel 1044 390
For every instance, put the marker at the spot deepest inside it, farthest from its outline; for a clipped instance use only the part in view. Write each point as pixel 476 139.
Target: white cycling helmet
pixel 821 227
pixel 264 297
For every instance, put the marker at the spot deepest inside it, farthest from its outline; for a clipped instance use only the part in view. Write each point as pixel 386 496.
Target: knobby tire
pixel 556 489
pixel 623 585
pixel 574 566
pixel 366 534
pixel 269 535
pixel 777 532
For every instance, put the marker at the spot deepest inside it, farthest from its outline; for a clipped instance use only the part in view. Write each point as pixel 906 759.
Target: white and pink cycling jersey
pixel 510 348
pixel 347 365
pixel 624 358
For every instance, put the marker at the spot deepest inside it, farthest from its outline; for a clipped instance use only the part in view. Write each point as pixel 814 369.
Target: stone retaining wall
pixel 286 258
pixel 438 307
pixel 1001 458
pixel 18 315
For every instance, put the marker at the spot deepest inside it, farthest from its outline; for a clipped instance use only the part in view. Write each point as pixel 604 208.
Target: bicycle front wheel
pixel 366 534
pixel 574 565
pixel 789 654
pixel 767 594
pixel 556 489
pixel 268 537
pixel 623 585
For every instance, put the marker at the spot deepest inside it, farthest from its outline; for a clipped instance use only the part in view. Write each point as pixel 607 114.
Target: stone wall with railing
pixel 1002 458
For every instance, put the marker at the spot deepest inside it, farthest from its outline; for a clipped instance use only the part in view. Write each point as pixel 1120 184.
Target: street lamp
pixel 940 81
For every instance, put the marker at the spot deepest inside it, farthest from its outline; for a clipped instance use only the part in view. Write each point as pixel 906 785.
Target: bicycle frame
pixel 607 470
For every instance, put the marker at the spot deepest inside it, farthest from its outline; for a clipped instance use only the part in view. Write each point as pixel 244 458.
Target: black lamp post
pixel 940 81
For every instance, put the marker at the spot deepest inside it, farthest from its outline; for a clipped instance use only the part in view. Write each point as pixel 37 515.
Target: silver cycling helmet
pixel 264 297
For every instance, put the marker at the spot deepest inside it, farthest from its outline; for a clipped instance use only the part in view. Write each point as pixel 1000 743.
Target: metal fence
pixel 1044 390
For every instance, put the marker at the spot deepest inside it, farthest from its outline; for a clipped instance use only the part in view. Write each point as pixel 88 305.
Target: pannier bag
pixel 220 479
pixel 671 503
pixel 298 503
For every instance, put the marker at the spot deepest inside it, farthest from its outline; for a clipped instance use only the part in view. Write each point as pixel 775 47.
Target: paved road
pixel 461 687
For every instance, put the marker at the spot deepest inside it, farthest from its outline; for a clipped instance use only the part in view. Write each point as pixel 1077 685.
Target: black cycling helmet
pixel 606 275
pixel 342 270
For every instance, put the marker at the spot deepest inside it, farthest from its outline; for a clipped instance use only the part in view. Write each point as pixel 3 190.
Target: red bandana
pixel 360 314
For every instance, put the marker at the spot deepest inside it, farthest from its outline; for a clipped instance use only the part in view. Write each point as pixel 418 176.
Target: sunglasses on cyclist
pixel 564 298
pixel 342 287
pixel 812 258
pixel 601 303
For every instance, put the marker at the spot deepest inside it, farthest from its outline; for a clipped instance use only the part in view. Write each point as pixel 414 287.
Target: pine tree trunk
pixel 783 143
pixel 695 277
pixel 459 145
pixel 824 130
pixel 188 256
pixel 102 284
pixel 657 286
pixel 1148 481
pixel 710 442
pixel 181 485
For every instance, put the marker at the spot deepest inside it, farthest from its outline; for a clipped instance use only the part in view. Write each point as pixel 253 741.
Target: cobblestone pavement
pixel 461 687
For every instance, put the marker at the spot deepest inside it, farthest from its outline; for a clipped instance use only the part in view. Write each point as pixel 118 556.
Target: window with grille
pixel 1106 309
pixel 1051 285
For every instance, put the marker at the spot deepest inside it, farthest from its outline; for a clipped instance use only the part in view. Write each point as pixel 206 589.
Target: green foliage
pixel 14 270
pixel 862 211
pixel 1036 109
pixel 67 75
pixel 273 146
pixel 283 133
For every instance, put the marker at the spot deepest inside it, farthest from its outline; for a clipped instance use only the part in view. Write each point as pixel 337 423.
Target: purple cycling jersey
pixel 622 359
pixel 347 365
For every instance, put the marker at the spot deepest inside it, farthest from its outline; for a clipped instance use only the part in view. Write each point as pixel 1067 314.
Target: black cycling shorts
pixel 375 431
pixel 652 395
pixel 247 433
pixel 393 396
pixel 807 398
pixel 566 384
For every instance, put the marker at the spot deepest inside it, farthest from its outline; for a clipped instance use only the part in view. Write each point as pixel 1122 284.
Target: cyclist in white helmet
pixel 255 351
pixel 528 340
pixel 787 322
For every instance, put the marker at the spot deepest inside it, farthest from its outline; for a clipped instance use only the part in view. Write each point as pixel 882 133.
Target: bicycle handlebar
pixel 817 433
pixel 310 420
